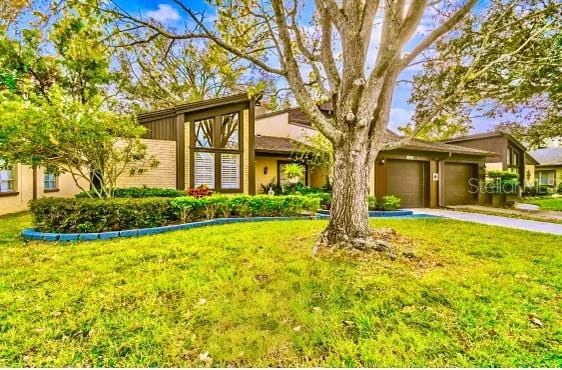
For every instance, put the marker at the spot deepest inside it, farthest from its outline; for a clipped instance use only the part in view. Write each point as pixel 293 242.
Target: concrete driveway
pixel 513 223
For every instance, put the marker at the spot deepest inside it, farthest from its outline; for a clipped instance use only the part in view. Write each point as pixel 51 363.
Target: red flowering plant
pixel 200 191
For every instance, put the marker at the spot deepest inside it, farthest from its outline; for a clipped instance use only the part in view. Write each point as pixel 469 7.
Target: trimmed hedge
pixel 140 193
pixel 85 215
pixel 97 215
pixel 193 209
pixel 387 203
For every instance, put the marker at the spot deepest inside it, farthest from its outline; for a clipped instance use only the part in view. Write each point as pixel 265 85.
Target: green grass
pixel 252 295
pixel 553 204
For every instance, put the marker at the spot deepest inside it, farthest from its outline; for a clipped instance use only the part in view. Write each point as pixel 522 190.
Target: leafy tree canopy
pixel 505 63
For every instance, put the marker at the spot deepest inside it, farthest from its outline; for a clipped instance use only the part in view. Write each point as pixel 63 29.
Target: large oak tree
pixel 348 52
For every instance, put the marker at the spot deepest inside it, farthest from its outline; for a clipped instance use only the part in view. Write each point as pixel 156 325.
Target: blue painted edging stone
pixel 32 234
pixel 89 236
pixel 399 213
pixel 109 235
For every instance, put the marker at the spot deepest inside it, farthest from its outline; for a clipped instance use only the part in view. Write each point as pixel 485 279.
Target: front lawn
pixel 553 204
pixel 252 295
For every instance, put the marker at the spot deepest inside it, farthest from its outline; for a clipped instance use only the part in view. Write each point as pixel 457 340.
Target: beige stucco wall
pixel 279 126
pixel 271 164
pixel 316 176
pixel 163 176
pixel 23 186
pixel 494 166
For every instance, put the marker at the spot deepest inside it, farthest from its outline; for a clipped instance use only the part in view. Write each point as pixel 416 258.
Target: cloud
pixel 164 13
pixel 399 117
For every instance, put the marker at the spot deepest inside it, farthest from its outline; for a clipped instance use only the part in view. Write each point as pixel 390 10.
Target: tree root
pixel 379 240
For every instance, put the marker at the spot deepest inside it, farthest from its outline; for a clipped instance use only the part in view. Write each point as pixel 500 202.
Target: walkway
pixel 514 223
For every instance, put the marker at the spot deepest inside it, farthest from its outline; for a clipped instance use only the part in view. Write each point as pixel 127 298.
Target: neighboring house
pixel 549 169
pixel 19 184
pixel 221 143
pixel 510 154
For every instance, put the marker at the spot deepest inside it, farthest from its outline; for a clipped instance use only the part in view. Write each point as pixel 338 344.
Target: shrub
pixel 97 215
pixel 389 203
pixel 200 191
pixel 324 198
pixel 191 209
pixel 140 193
pixel 372 203
pixel 502 182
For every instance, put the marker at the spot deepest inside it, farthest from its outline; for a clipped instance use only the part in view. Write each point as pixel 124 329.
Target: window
pixel 512 157
pixel 547 178
pixel 50 181
pixel 204 169
pixel 6 178
pixel 217 152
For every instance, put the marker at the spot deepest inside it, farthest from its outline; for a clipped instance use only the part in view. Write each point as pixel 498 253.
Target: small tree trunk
pixel 349 212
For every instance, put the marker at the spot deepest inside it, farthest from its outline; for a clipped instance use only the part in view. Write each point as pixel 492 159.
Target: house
pixel 19 184
pixel 510 154
pixel 223 143
pixel 548 171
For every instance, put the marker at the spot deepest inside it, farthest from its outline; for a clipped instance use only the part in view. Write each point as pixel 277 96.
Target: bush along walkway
pixel 480 218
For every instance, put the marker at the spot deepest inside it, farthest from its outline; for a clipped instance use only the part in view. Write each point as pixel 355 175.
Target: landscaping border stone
pixel 33 234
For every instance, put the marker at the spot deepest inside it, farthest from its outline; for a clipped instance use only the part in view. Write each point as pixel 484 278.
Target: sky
pixel 170 15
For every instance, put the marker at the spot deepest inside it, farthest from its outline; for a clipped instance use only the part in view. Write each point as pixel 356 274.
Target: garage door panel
pixel 457 180
pixel 408 181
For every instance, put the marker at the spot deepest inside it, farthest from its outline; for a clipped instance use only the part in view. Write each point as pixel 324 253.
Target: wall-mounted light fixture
pixel 265 170
pixel 381 162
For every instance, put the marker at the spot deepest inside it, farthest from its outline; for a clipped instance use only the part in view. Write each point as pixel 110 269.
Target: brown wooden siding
pixel 492 144
pixel 161 129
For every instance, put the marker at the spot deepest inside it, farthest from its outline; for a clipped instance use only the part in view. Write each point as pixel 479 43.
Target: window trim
pixel 13 180
pixel 217 115
pixel 539 175
pixel 51 190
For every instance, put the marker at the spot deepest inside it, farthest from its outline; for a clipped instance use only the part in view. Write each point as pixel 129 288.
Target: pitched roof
pixel 485 135
pixel 281 145
pixel 548 156
pixel 272 144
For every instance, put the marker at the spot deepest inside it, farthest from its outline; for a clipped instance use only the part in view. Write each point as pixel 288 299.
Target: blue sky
pixel 169 14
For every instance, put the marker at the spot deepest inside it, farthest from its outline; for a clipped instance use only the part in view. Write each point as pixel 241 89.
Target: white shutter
pixel 204 169
pixel 230 171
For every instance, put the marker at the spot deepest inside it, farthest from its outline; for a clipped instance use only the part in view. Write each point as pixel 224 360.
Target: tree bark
pixel 349 211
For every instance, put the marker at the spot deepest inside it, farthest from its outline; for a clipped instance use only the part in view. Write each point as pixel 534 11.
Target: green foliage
pixel 191 209
pixel 164 299
pixel 97 215
pixel 502 182
pixel 292 170
pixel 488 69
pixel 549 203
pixel 389 203
pixel 139 193
pixel 318 152
pixel 372 203
pixel 58 111
pixel 324 197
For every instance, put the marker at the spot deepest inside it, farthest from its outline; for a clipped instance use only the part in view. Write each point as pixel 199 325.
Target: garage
pixel 409 181
pixel 457 183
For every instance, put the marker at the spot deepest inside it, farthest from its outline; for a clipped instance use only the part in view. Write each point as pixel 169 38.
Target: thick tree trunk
pixel 349 212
